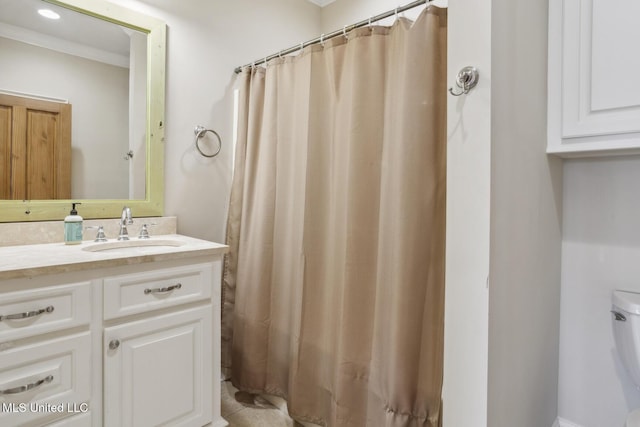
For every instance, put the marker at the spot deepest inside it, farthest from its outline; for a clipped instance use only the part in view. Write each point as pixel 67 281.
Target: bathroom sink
pixel 132 245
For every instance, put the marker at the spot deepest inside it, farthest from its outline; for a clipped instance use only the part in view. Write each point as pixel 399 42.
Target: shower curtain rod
pixel 337 33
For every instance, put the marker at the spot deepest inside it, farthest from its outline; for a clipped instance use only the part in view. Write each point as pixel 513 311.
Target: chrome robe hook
pixel 466 80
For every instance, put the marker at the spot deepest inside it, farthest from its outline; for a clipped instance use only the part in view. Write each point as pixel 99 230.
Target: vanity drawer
pixel 137 293
pixel 38 311
pixel 45 381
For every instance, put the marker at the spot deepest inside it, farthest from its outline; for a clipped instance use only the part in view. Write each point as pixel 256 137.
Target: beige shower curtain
pixel 334 288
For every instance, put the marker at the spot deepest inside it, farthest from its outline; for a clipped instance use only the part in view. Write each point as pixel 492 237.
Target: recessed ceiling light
pixel 48 13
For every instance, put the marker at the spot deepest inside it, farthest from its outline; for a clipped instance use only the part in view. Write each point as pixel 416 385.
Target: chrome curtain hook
pixel 344 32
pixel 322 40
pixel 397 11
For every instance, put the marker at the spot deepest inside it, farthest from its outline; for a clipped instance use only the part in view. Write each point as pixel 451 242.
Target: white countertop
pixel 52 258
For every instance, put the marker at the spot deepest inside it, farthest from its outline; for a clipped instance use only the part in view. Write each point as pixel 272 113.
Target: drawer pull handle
pixel 162 290
pixel 27 314
pixel 27 387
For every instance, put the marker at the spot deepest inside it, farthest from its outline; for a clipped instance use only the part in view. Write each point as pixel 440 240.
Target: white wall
pixel 345 12
pixel 138 115
pixel 98 145
pixel 206 40
pixel 526 223
pixel 600 253
pixel 469 117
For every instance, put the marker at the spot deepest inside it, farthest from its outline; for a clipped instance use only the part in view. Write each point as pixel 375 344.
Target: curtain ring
pixel 322 40
pixel 265 62
pixel 200 131
pixel 398 7
pixel 344 32
pixel 280 54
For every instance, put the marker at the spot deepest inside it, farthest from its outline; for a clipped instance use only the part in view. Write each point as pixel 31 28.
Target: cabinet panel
pixel 156 370
pixel 44 310
pixel 81 420
pixel 614 24
pixel 594 105
pixel 46 380
pixel 141 292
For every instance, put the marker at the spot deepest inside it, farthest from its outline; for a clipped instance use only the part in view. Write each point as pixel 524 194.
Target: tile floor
pixel 245 410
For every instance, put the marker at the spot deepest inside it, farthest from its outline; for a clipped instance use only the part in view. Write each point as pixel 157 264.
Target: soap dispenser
pixel 73 227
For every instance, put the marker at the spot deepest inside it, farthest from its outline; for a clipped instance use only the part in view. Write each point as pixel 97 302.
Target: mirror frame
pixel 153 204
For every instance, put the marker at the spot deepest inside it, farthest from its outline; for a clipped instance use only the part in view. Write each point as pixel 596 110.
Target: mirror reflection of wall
pixel 101 71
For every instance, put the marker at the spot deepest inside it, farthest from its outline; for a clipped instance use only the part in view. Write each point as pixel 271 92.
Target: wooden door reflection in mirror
pixel 35 149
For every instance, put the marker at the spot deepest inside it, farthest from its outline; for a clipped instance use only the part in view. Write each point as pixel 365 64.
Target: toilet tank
pixel 626 331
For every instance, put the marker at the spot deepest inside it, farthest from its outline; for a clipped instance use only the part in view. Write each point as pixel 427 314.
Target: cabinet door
pixel 45 380
pixel 594 104
pixel 158 371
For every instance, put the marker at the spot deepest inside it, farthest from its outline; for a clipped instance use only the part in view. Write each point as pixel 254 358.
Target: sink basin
pixel 132 244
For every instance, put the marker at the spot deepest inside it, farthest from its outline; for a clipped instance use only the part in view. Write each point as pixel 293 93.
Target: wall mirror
pixel 81 110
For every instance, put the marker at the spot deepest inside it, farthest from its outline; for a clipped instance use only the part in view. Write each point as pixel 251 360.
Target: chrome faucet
pixel 125 220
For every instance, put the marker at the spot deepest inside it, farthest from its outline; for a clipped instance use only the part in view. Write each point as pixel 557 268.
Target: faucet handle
pixel 100 237
pixel 123 234
pixel 144 231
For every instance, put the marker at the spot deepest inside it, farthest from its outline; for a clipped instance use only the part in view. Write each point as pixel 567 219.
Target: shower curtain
pixel 334 287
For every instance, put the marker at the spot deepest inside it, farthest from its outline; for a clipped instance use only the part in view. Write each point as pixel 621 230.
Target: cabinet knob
pixel 113 344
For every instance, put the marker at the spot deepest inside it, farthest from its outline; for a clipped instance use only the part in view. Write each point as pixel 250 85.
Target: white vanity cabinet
pixel 593 103
pixel 158 367
pixel 118 341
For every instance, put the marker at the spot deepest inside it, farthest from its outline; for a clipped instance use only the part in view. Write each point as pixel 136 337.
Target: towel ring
pixel 200 131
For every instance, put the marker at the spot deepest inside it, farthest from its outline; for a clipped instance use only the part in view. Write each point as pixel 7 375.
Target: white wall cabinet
pixel 121 346
pixel 594 100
